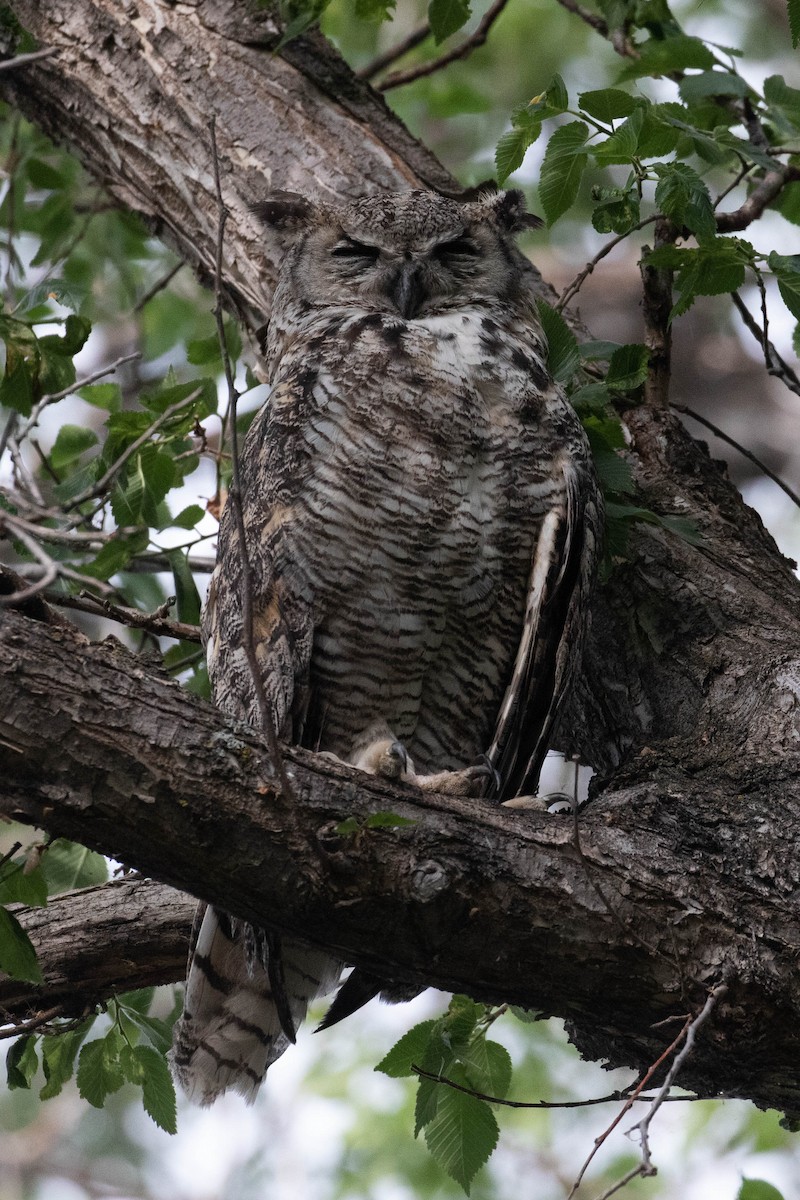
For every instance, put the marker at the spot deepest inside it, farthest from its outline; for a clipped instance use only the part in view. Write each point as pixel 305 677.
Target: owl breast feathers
pixel 422 518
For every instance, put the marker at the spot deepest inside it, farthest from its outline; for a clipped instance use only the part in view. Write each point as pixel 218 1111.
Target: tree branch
pixel 91 748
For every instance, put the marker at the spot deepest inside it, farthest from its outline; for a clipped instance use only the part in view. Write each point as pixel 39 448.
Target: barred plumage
pixel 422 521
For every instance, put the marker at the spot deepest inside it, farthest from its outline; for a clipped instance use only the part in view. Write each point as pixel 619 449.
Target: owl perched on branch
pixel 422 517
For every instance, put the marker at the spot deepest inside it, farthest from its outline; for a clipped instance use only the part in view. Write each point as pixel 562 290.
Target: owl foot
pixel 471 781
pixel 385 757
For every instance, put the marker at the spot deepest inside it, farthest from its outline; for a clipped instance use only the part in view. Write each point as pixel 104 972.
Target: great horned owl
pixel 422 516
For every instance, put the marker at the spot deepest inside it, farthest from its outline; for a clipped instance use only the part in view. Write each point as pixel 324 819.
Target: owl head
pixel 413 253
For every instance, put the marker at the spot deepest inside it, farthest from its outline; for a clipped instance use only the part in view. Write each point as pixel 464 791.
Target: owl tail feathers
pixel 230 1031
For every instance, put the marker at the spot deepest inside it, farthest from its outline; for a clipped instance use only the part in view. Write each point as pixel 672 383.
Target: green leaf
pixel 374 10
pixel 616 210
pixel 563 166
pixel 116 555
pixel 17 955
pixel 348 827
pixel 758 1189
pixel 794 22
pixel 186 593
pixel 683 196
pixel 608 104
pixel 410 1050
pixel 785 99
pixel 102 395
pixel 157 1032
pixel 18 886
pixel 447 16
pixel 628 367
pixel 563 355
pixel 462 1135
pixel 59 1052
pixel 458 1023
pixel 662 56
pixel 387 820
pixel 66 866
pixel 21 1062
pixel 70 444
pixel 146 1067
pixel 16 387
pixel 711 83
pixel 622 146
pixel 511 149
pixel 786 268
pixel 100 1072
pixel 188 517
pixel 488 1067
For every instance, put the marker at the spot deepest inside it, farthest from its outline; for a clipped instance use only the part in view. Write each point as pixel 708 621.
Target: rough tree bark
pixel 687 870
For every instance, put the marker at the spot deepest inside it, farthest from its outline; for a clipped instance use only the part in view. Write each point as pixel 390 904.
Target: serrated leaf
pixel 16 387
pixel 785 99
pixel 102 395
pixel 17 955
pixel 662 56
pixel 511 149
pixel 488 1067
pixel 616 210
pixel 146 1067
pixel 426 1103
pixel 447 16
pixel 592 398
pixel 683 196
pixel 459 1021
pixel 758 1189
pixel 608 104
pixel 462 1135
pixel 563 166
pixel 528 1016
pixel 786 268
pixel 623 144
pixel 100 1073
pixel 794 22
pixel 711 83
pixel 628 367
pixel 157 1032
pixel 188 517
pixel 348 827
pixel 409 1051
pixel 66 866
pixel 563 355
pixel 374 10
pixel 71 443
pixel 22 1062
pixel 115 555
pixel 59 1052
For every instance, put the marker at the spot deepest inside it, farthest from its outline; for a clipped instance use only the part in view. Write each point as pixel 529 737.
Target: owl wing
pixel 558 590
pixel 247 988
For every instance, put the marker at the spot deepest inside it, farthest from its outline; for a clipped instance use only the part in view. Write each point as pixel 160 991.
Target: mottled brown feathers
pixel 422 521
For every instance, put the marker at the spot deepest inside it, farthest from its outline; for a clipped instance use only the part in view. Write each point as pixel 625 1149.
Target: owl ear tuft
pixel 286 210
pixel 506 210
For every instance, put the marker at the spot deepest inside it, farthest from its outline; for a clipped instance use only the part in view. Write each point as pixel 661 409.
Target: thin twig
pixel 590 18
pixel 8 431
pixel 577 283
pixel 643 1126
pixel 98 488
pixel 34 1022
pixel 775 364
pixel 651 1070
pixel 761 196
pixel 49 566
pixel 68 537
pixel 22 60
pixel 724 437
pixel 156 622
pixel 382 61
pixel 10 854
pixel 158 287
pixel 235 494
pixel 399 78
pixel 611 1098
pixel 52 397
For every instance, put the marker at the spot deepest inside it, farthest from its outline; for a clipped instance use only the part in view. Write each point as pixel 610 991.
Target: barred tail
pixel 230 1031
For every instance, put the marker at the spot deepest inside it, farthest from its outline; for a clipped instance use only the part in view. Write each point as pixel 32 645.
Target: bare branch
pixel 577 283
pixel 776 365
pixel 382 61
pixel 22 60
pixel 399 78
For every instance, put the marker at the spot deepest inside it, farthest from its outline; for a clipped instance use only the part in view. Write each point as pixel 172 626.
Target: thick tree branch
pixel 631 930
pixel 137 936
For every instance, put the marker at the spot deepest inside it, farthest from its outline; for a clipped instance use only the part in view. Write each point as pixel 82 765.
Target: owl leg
pixel 476 780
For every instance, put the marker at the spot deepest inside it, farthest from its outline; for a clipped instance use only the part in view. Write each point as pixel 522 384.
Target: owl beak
pixel 406 290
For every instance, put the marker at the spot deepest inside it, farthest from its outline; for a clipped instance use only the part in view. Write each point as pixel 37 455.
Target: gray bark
pixel 688 703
